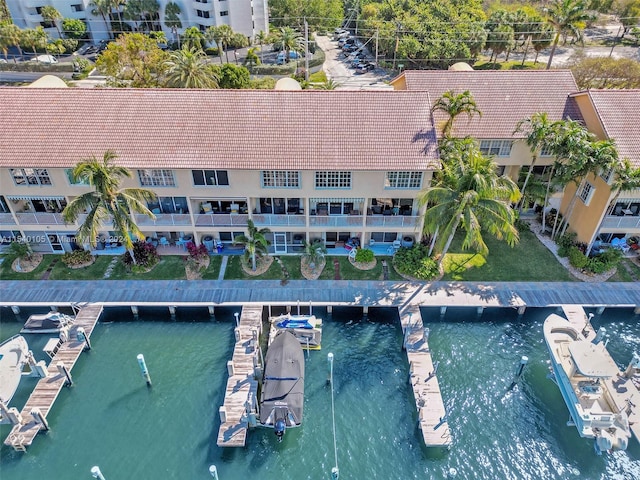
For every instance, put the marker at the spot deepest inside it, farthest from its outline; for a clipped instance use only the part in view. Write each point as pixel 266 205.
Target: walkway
pixel 339 292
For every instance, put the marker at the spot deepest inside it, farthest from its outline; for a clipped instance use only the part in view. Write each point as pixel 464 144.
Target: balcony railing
pixel 628 221
pixel 39 218
pixel 262 220
pixel 220 220
pixel 335 220
pixel 178 219
pixel 400 221
pixel 7 219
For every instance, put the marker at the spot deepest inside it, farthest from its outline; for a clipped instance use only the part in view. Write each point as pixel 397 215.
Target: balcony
pixel 6 219
pixel 220 220
pixel 268 220
pixel 395 221
pixel 165 219
pixel 39 218
pixel 621 222
pixel 335 220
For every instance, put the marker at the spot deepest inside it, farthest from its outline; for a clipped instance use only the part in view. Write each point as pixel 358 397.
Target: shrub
pixel 197 252
pixel 577 258
pixel 605 261
pixel 565 242
pixel 77 257
pixel 364 255
pixel 146 257
pixel 416 262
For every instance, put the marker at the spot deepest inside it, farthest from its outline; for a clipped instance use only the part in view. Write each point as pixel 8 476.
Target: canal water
pixel 110 418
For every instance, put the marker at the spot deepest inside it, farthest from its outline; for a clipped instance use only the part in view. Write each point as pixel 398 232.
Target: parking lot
pixel 341 69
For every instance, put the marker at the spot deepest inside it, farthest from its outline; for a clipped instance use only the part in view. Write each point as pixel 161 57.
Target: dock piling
pixel 523 361
pixel 212 311
pixel 213 471
pixel 330 374
pixel 143 369
pixel 62 368
pixel 37 415
pixel 237 315
pixel 81 337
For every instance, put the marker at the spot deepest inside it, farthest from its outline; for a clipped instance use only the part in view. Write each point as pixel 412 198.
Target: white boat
pixel 282 397
pixel 581 368
pixel 13 357
pixel 306 328
pixel 51 322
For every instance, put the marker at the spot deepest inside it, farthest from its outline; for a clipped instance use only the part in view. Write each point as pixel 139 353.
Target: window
pixel 280 179
pixel 4 208
pixel 78 7
pixel 384 237
pixel 69 173
pixel 30 176
pixel 224 13
pixel 498 148
pixel 169 205
pixel 210 177
pixel 545 151
pixel 229 236
pixel 156 178
pixel 586 192
pixel 202 14
pixel 333 179
pixel 607 175
pixel 403 180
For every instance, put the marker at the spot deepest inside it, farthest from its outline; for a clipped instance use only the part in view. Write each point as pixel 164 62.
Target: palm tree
pixel 108 202
pixel 188 68
pixel 328 84
pixel 626 178
pixel 469 194
pixel 11 35
pixel 193 38
pixel 224 36
pixel 255 244
pixel 51 15
pixel 538 128
pixel 21 250
pixel 566 16
pixel 252 58
pixel 102 8
pixel 34 38
pixel 314 252
pixel 454 105
pixel 238 40
pixel 288 39
pixel 262 38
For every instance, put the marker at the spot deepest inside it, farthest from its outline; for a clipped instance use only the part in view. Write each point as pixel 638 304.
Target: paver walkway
pixel 47 272
pixel 223 267
pixel 336 269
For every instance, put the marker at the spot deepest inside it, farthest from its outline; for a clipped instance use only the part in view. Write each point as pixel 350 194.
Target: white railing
pixel 392 221
pixel 163 219
pixel 261 219
pixel 217 219
pixel 628 221
pixel 39 218
pixel 336 220
pixel 7 219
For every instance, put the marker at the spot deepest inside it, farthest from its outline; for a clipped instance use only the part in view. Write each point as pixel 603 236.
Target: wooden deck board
pixel 47 389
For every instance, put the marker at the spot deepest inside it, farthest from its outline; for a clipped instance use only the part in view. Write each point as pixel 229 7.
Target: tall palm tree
pixel 193 38
pixel 454 105
pixel 537 128
pixel 468 193
pixel 626 178
pixel 225 36
pixel 262 38
pixel 255 244
pixel 238 40
pixel 188 68
pixel 287 38
pixel 11 36
pixel 52 15
pixel 566 17
pixel 34 38
pixel 107 202
pixel 102 8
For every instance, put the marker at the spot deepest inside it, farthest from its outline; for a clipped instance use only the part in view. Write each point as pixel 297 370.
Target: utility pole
pixel 306 50
pixel 395 50
pixel 377 36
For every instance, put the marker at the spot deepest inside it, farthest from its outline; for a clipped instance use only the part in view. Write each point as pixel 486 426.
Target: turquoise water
pixel 111 419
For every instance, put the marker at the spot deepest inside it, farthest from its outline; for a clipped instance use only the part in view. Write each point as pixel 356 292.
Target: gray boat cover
pixel 48 321
pixel 283 382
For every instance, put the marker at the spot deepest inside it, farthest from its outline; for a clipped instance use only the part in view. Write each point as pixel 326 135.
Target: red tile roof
pixel 503 97
pixel 240 129
pixel 619 113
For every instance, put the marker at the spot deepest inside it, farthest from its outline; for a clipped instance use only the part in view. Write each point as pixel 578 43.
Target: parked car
pixel 350 47
pixel 293 55
pixel 50 59
pixel 346 41
pixel 365 67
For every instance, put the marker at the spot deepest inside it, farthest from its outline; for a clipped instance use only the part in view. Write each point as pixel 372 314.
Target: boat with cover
pixel 580 369
pixel 51 322
pixel 306 328
pixel 14 354
pixel 282 397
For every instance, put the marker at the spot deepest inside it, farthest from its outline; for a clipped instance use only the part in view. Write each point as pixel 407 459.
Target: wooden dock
pixel 432 415
pixel 242 387
pixel 47 389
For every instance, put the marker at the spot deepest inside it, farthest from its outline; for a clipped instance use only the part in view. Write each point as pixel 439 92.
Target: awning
pixel 334 199
pixel 33 197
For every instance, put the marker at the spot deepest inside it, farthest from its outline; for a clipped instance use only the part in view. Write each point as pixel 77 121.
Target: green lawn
pixel 622 274
pixel 212 272
pixel 234 271
pixel 92 272
pixel 170 267
pixel 6 273
pixel 349 272
pixel 529 261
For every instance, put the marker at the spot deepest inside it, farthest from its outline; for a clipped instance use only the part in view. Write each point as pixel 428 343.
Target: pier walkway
pixel 47 389
pixel 242 388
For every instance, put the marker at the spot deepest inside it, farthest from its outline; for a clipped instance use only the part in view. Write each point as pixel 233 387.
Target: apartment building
pixel 331 165
pixel 248 17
